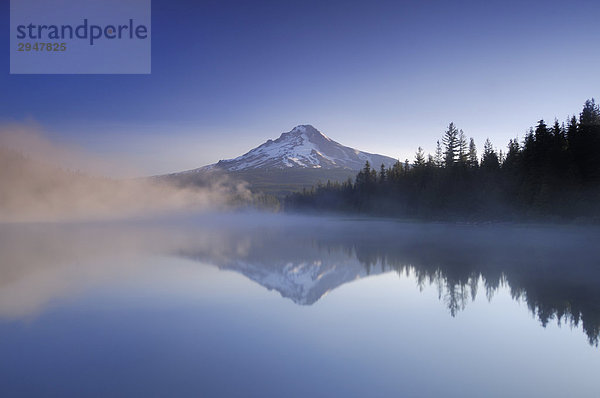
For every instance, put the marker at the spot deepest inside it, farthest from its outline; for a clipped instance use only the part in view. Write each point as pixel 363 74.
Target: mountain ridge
pixel 302 147
pixel 298 159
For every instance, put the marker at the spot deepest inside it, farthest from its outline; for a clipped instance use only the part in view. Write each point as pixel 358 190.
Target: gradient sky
pixel 383 77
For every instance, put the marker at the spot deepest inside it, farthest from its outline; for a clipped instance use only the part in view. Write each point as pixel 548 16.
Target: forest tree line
pixel 553 173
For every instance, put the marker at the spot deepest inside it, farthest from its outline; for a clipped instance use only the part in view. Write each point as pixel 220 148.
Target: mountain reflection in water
pixel 554 270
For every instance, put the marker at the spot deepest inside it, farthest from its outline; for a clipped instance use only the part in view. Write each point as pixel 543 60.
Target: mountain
pixel 298 159
pixel 303 147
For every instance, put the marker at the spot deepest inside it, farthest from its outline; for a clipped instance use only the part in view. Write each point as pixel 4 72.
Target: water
pixel 291 307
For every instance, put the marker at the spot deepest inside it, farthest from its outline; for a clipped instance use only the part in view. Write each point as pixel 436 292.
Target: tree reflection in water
pixel 554 270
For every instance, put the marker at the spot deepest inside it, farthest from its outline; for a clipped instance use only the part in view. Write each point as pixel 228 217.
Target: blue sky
pixel 383 77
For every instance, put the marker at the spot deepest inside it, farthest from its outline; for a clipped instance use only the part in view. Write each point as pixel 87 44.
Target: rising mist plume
pixel 43 181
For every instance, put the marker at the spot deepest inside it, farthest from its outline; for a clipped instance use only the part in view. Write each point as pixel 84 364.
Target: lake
pixel 250 305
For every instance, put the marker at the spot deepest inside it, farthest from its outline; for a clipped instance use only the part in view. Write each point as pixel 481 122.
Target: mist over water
pixel 44 181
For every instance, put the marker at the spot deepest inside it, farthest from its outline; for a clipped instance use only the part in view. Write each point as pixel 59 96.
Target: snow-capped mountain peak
pixel 303 147
pixel 307 131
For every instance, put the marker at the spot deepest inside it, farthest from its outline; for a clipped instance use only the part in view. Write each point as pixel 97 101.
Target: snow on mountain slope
pixel 303 147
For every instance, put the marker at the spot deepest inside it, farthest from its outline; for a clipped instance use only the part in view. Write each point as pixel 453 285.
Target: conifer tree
pixel 588 149
pixel 451 144
pixel 364 177
pixel 572 132
pixel 430 161
pixel 439 155
pixel 463 151
pixel 590 115
pixel 419 158
pixel 489 160
pixel 512 156
pixel 473 161
pixel 395 172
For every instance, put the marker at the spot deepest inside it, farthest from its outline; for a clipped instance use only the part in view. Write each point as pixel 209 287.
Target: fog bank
pixel 44 181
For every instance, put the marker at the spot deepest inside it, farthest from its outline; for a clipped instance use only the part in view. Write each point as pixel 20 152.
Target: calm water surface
pixel 256 306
